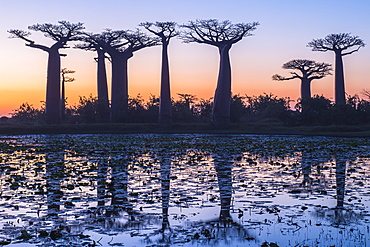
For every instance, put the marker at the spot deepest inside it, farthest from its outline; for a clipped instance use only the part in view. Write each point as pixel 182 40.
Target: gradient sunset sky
pixel 284 31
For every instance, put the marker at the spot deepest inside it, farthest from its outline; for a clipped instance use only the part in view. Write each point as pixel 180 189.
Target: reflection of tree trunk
pixel 222 98
pixel 102 174
pixel 224 177
pixel 165 184
pixel 224 226
pixel 53 95
pixel 54 173
pixel 103 101
pixel 340 175
pixel 165 104
pixel 340 97
pixel 119 183
pixel 119 192
pixel 306 169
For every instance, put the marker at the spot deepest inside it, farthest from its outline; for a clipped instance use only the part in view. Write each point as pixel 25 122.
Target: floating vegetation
pixel 184 190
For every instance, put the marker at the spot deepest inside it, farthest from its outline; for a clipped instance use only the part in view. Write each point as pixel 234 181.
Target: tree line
pixel 120 45
pixel 265 108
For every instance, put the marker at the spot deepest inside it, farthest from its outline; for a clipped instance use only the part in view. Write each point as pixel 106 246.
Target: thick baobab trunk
pixel 222 99
pixel 305 89
pixel 53 95
pixel 103 101
pixel 340 95
pixel 119 87
pixel 165 104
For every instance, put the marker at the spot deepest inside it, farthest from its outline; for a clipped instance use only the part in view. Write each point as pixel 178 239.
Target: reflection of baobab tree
pixel 165 233
pixel 101 182
pixel 61 33
pixel 340 178
pixel 342 215
pixel 119 196
pixel 221 35
pixel 54 175
pixel 306 162
pixel 224 226
pixel 309 161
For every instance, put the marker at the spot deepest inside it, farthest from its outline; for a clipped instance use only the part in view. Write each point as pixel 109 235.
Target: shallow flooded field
pixel 184 190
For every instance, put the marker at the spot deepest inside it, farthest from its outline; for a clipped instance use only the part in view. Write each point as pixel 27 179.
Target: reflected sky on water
pixel 184 190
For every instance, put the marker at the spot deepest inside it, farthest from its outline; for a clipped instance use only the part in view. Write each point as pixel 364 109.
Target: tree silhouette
pixel 165 31
pixel 65 79
pixel 222 35
pixel 309 70
pixel 120 45
pixel 61 33
pixel 187 99
pixel 92 44
pixel 366 93
pixel 338 43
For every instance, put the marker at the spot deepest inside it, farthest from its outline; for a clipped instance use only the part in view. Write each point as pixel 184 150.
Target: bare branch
pixel 216 33
pixel 165 30
pixel 366 93
pixel 309 69
pixel 277 77
pixel 337 42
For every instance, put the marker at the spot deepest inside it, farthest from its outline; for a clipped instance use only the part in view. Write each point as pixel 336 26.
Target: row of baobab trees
pixel 120 45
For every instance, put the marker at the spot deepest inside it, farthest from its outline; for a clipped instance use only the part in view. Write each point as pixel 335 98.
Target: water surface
pixel 184 190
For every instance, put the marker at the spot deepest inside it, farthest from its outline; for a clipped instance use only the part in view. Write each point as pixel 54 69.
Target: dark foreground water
pixel 184 190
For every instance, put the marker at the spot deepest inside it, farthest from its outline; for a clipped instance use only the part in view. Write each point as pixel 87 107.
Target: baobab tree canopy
pixel 62 32
pixel 124 40
pixel 308 68
pixel 337 42
pixel 165 30
pixel 214 32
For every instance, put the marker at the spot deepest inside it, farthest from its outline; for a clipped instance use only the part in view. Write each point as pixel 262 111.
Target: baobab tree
pixel 341 44
pixel 90 43
pixel 165 31
pixel 222 35
pixel 308 70
pixel 120 45
pixel 61 33
pixel 63 73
